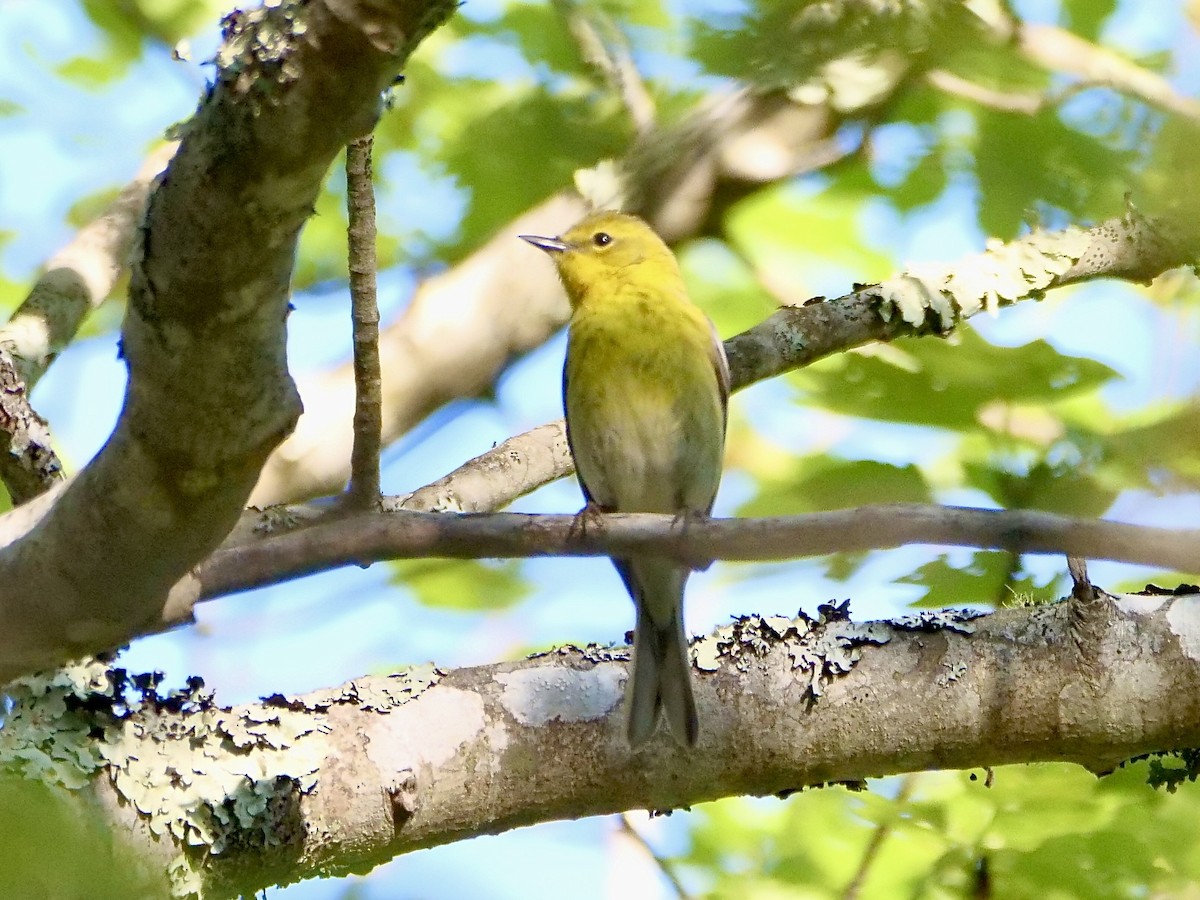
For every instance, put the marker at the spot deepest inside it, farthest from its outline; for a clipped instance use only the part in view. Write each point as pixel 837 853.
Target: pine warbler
pixel 645 388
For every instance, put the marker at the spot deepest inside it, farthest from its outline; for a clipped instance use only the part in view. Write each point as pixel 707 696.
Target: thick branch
pixel 374 536
pixel 347 778
pixel 209 395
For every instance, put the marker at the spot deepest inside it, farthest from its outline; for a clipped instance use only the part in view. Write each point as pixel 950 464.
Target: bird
pixel 646 395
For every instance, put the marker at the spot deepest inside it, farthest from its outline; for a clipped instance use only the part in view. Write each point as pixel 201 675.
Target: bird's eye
pixel 601 239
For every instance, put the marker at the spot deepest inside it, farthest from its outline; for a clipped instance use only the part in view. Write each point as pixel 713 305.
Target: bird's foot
pixel 683 522
pixel 589 517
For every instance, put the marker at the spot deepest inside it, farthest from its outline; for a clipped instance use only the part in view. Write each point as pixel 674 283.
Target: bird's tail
pixel 662 677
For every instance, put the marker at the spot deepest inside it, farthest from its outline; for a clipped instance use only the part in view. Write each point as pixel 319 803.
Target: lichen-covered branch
pixel 347 778
pixel 209 394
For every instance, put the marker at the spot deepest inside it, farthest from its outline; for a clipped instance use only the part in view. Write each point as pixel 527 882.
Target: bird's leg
pixel 683 520
pixel 589 517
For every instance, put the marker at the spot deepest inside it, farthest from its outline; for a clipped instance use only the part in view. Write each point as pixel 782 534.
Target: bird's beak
pixel 549 244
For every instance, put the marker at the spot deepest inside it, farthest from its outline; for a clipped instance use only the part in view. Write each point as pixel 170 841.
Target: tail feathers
pixel 661 681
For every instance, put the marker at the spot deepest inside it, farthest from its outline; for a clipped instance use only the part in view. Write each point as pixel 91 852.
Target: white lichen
pixel 1183 618
pixel 215 779
pixel 1003 274
pixel 545 694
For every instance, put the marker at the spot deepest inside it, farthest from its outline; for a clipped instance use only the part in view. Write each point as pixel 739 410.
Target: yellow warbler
pixel 645 388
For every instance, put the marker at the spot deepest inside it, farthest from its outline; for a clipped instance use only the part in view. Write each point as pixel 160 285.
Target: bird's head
pixel 608 249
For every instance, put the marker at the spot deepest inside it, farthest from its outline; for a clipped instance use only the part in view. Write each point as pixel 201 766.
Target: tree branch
pixel 344 779
pixel 364 311
pixel 366 537
pixel 209 394
pixel 1058 50
pixel 76 280
pixel 28 464
pixel 79 277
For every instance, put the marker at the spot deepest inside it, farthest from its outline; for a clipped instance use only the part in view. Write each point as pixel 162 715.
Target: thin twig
pixel 372 536
pixel 364 311
pixel 664 865
pixel 608 55
pixel 882 830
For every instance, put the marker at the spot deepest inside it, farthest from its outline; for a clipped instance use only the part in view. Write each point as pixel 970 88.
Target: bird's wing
pixel 716 353
pixel 587 495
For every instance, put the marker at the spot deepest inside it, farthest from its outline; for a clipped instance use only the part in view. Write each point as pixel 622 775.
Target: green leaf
pixel 1086 18
pixel 783 232
pixel 467 585
pixel 62 847
pixel 723 285
pixel 93 72
pixel 932 382
pixel 924 182
pixel 780 45
pixel 522 151
pixel 826 482
pixel 1063 487
pixel 979 583
pixel 1029 165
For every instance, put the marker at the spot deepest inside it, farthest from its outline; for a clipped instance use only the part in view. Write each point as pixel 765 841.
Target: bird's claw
pixel 589 517
pixel 684 520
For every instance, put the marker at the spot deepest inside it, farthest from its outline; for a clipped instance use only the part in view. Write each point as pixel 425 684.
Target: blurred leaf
pixel 1032 166
pixel 470 585
pixel 92 72
pixel 1063 487
pixel 127 23
pixel 979 583
pixel 60 847
pixel 1163 452
pixel 924 183
pixel 524 150
pixel 783 44
pixel 843 566
pixel 1087 17
pixel 936 383
pixel 782 232
pixel 996 65
pixel 752 849
pixel 539 32
pixel 825 482
pixel 723 285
